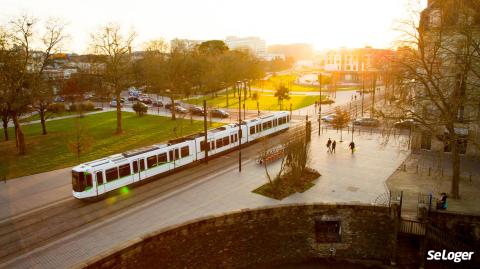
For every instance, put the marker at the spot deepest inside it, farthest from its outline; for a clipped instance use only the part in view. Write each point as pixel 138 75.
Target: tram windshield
pixel 80 181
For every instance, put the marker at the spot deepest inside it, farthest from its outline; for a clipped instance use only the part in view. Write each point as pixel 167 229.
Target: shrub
pixel 140 108
pixel 56 108
pixel 87 106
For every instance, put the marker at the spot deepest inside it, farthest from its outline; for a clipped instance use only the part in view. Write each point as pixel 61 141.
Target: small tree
pixel 282 93
pixel 341 120
pixel 140 109
pixel 81 141
pixel 256 97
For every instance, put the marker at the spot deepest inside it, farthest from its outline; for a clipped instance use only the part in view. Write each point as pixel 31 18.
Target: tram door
pixel 139 169
pixel 100 182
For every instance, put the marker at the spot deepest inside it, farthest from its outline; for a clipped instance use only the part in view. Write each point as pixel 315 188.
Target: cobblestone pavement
pixel 346 178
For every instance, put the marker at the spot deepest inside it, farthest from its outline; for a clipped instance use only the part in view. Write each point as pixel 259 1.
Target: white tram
pixel 98 177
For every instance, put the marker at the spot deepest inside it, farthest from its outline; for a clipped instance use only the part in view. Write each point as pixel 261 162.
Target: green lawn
pixel 51 151
pixel 266 102
pixel 289 81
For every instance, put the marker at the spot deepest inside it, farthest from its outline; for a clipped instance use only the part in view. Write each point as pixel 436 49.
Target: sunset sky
pixel 324 24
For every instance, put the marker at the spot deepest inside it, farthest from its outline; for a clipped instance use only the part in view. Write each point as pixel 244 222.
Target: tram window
pixel 152 161
pixel 226 141
pixel 258 127
pixel 212 145
pixel 135 167
pixel 274 122
pixel 124 170
pixel 236 137
pixel 88 181
pixel 170 155
pixel 252 130
pixel 162 158
pixel 142 165
pixel 177 155
pixel 100 178
pixel 202 145
pixel 185 152
pixel 219 143
pixel 111 174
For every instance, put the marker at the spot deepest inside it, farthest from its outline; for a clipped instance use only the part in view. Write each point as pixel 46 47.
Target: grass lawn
pixel 266 102
pixel 51 151
pixel 289 81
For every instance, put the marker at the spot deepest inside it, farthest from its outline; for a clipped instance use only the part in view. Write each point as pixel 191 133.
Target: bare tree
pixel 110 41
pixel 436 83
pixel 81 141
pixel 341 120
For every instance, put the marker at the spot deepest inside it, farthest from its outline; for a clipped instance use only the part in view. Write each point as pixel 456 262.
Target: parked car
pixel 328 118
pixel 366 122
pixel 196 110
pixel 132 98
pixel 145 100
pixel 157 103
pixel 180 109
pixel 219 113
pixel 113 103
pixel 58 99
pixel 405 124
pixel 327 101
pixel 169 105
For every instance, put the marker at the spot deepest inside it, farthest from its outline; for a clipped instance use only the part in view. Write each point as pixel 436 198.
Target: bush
pixel 140 108
pixel 56 108
pixel 87 106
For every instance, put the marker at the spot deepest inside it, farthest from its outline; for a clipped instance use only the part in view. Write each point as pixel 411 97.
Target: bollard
pixel 417 168
pixel 371 130
pixel 442 171
pixel 429 171
pixel 405 167
pixel 470 177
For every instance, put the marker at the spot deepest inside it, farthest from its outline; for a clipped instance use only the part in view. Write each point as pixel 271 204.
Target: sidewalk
pixel 346 178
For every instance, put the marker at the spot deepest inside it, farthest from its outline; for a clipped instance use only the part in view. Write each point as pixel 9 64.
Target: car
pixel 157 103
pixel 405 124
pixel 113 103
pixel 219 113
pixel 328 118
pixel 366 122
pixel 145 100
pixel 196 110
pixel 169 105
pixel 58 99
pixel 132 98
pixel 327 101
pixel 181 110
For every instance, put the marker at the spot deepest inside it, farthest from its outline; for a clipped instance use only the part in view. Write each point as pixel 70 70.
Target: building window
pixel 327 231
pixel 426 141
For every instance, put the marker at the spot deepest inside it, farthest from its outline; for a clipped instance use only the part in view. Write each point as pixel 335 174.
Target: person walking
pixel 329 144
pixel 334 145
pixel 352 146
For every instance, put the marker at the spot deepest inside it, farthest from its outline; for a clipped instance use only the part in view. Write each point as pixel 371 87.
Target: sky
pixel 321 23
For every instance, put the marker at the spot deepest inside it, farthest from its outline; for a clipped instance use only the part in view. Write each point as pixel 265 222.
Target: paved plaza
pixel 346 178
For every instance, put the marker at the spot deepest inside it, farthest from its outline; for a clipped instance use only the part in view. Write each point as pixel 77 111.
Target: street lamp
pixel 320 103
pixel 239 127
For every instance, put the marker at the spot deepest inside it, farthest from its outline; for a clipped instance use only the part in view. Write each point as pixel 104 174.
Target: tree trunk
pixel 455 192
pixel 19 136
pixel 119 113
pixel 5 128
pixel 172 99
pixel 42 121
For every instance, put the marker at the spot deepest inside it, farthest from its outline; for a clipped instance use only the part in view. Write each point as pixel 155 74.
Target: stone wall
pixel 258 237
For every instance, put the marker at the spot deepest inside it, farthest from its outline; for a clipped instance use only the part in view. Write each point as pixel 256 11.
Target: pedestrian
pixel 352 146
pixel 442 203
pixel 334 145
pixel 329 144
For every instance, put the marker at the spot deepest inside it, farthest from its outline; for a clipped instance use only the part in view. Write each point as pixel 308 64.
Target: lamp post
pixel 206 144
pixel 226 91
pixel 363 87
pixel 239 127
pixel 320 103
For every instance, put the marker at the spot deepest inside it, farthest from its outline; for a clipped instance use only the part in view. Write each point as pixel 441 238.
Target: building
pixel 448 29
pixel 255 44
pixel 349 64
